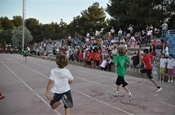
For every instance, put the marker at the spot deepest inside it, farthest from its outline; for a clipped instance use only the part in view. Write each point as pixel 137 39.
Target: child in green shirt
pixel 25 54
pixel 121 61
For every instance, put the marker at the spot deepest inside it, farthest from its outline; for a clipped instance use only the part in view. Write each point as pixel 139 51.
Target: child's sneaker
pixel 130 94
pixel 171 81
pixel 168 80
pixel 159 89
pixel 116 94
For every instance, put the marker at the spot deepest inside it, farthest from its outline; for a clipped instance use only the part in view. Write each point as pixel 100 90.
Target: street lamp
pixel 23 23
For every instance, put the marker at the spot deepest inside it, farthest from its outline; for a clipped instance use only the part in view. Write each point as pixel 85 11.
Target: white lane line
pixel 109 86
pixel 29 87
pixel 78 91
pixel 103 102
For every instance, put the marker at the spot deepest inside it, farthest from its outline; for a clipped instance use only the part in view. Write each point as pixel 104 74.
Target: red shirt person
pixel 147 58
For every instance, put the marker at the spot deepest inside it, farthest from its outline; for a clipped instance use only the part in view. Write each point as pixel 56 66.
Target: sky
pixel 47 11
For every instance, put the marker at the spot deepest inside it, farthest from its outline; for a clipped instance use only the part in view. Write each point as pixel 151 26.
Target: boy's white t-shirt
pixel 103 64
pixel 163 62
pixel 170 63
pixel 61 78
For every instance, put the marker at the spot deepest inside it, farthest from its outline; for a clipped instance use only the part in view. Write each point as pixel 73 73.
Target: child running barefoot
pixel 148 68
pixel 121 61
pixel 60 78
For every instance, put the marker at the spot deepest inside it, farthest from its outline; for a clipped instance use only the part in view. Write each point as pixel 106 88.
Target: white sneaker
pixel 159 89
pixel 116 95
pixel 171 81
pixel 168 80
pixel 130 94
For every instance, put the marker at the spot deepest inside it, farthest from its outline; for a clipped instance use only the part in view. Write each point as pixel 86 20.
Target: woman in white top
pixel 165 49
pixel 60 78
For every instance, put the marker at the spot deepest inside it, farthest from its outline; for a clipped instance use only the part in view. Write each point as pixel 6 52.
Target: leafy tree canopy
pixel 139 12
pixel 17 36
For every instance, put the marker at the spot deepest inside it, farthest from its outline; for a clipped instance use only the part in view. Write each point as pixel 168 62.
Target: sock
pixel 158 87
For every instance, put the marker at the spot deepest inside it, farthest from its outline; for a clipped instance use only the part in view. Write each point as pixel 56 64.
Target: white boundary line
pixel 86 80
pixel 95 82
pixel 90 82
pixel 29 87
pixel 77 90
pixel 103 102
pixel 106 85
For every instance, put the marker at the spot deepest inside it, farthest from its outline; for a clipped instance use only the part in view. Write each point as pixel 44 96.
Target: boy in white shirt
pixel 104 64
pixel 170 67
pixel 162 67
pixel 60 78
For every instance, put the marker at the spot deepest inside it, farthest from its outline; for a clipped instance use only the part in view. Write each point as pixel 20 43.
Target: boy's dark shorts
pixel 25 55
pixel 58 97
pixel 120 80
pixel 148 72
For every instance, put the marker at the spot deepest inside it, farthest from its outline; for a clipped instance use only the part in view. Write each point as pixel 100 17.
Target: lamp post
pixel 23 23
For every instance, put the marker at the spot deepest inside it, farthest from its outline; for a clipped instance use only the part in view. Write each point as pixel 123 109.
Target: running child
pixel 25 54
pixel 60 78
pixel 147 58
pixel 121 61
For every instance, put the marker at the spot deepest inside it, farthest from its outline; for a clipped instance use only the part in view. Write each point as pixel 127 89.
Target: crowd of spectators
pixel 97 50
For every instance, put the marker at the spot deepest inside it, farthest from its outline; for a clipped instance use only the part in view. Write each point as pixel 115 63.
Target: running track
pixel 24 84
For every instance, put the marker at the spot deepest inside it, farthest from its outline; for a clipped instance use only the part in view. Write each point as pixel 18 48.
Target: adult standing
pixel 164 29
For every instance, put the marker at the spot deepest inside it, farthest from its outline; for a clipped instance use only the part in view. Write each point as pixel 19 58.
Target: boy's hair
pixel 121 50
pixel 146 51
pixel 61 60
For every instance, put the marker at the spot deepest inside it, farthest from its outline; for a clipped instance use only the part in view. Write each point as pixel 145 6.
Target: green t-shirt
pixel 25 52
pixel 121 61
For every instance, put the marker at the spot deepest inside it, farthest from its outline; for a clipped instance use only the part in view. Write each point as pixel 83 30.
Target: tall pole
pixel 23 23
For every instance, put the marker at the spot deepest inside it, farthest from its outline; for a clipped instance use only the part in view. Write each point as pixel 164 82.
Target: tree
pixel 17 21
pixel 17 36
pixel 6 23
pixel 138 12
pixel 94 17
pixel 94 13
pixel 5 37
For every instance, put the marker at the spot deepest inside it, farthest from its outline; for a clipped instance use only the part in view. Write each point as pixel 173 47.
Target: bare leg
pixel 154 82
pixel 67 111
pixel 161 77
pixel 55 105
pixel 118 87
pixel 126 89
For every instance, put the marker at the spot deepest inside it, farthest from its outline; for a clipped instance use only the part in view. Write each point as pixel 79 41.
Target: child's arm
pixel 70 81
pixel 49 86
